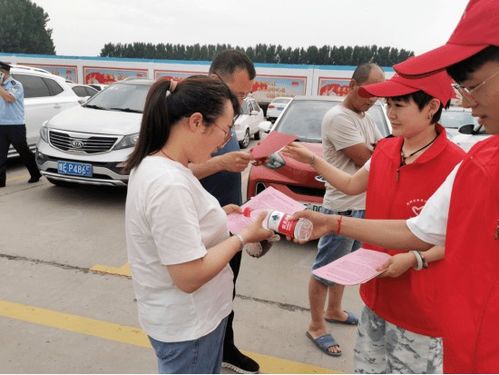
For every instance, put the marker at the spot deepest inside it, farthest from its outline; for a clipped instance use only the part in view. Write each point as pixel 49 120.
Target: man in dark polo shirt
pixel 221 176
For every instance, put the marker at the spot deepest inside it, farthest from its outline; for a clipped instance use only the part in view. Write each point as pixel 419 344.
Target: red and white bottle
pixel 285 224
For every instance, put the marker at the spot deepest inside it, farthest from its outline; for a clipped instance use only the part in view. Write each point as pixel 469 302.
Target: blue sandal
pixel 324 343
pixel 351 319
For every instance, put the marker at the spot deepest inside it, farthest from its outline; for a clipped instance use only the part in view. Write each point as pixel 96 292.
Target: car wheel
pixel 246 140
pixel 257 135
pixel 60 183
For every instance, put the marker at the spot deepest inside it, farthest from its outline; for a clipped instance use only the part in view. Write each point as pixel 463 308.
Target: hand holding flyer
pixel 355 268
pixel 272 143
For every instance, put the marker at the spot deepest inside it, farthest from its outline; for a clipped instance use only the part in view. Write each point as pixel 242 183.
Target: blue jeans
pixel 200 356
pixel 332 247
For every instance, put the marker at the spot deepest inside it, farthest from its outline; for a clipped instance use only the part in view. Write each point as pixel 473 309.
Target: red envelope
pixel 274 142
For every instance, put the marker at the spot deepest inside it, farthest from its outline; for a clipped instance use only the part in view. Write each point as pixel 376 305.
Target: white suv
pixel 88 144
pixel 45 95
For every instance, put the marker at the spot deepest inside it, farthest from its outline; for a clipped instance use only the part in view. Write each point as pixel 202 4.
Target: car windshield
pixel 303 118
pixel 121 97
pixel 245 108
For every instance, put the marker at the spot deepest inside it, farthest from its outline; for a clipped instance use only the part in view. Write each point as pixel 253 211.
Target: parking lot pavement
pixel 58 315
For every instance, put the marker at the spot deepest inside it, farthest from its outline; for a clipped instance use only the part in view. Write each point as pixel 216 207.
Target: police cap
pixel 4 66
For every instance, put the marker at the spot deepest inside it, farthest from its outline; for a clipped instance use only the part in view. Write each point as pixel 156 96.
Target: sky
pixel 82 27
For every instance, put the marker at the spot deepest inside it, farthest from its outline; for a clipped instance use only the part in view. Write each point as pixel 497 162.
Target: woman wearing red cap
pixel 399 330
pixel 463 213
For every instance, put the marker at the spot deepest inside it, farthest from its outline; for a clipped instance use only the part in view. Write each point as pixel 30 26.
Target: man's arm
pixel 346 137
pixel 359 153
pixel 235 161
pixel 7 96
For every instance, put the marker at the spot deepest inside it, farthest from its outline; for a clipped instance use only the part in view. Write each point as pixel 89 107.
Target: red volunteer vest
pixel 471 288
pixel 409 301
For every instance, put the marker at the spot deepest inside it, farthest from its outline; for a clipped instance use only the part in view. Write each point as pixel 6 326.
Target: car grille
pixel 82 143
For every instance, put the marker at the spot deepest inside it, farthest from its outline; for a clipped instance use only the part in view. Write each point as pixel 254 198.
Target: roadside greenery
pixel 23 28
pixel 262 53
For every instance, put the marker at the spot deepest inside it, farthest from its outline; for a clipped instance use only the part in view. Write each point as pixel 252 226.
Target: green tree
pixel 312 55
pixel 23 28
pixel 263 53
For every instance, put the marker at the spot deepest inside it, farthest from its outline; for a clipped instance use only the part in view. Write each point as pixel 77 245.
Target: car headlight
pixel 275 161
pixel 44 132
pixel 127 141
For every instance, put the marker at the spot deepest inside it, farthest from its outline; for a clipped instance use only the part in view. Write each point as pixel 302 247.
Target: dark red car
pixel 302 117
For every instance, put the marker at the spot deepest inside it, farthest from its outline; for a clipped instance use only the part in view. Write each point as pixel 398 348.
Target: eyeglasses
pixel 227 134
pixel 468 93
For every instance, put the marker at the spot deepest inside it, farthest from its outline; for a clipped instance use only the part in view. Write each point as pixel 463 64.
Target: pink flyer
pixel 272 143
pixel 354 268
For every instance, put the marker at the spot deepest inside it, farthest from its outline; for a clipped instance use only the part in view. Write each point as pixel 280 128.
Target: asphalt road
pixel 66 300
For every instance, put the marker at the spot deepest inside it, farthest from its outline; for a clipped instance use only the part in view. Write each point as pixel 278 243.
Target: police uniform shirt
pixel 12 113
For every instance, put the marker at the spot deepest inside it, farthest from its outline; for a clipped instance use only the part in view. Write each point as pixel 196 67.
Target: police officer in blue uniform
pixel 12 126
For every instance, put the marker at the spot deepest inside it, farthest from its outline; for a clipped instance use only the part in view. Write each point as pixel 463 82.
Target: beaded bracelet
pixel 338 225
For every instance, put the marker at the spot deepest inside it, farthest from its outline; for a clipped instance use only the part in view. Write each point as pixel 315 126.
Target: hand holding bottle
pixel 321 224
pixel 256 232
pixel 280 222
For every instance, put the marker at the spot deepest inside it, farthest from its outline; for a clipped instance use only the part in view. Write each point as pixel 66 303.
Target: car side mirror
pixel 265 126
pixel 467 129
pixel 83 100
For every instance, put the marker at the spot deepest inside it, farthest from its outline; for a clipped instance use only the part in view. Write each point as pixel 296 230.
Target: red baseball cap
pixel 477 29
pixel 437 85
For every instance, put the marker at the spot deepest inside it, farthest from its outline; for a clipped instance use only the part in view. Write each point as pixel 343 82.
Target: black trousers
pixel 15 135
pixel 229 345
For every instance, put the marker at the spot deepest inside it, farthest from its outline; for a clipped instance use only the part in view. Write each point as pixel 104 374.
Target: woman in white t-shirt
pixel 177 238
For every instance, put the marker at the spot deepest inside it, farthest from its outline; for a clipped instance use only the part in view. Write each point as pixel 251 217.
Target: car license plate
pixel 74 169
pixel 314 207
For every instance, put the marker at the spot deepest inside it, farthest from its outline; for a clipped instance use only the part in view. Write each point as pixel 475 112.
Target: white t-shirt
pixel 367 165
pixel 342 128
pixel 171 219
pixel 431 224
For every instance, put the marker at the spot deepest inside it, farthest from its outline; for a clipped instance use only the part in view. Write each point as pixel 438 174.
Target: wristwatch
pixel 425 262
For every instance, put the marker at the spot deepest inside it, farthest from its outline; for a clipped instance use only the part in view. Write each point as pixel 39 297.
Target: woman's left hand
pixel 397 265
pixel 232 208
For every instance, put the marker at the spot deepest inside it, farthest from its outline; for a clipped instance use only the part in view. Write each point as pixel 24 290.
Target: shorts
pixel 384 348
pixel 332 247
